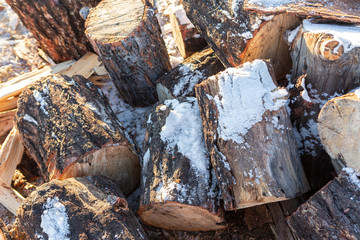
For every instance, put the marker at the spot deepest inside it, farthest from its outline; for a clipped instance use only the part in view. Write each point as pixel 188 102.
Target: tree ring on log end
pixel 178 216
pixel 330 49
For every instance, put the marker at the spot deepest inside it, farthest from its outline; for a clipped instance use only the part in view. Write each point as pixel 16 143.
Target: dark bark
pixel 131 47
pixel 95 208
pixel 332 213
pixel 56 25
pixel 264 165
pixel 180 81
pixel 70 130
pixel 237 36
pixel 179 190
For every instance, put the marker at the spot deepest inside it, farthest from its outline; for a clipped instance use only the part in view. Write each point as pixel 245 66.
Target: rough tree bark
pixel 249 136
pixel 77 208
pixel 180 81
pixel 187 38
pixel 56 25
pixel 70 130
pixel 130 46
pixel 237 36
pixel 339 131
pixel 332 213
pixel 178 190
pixel 323 66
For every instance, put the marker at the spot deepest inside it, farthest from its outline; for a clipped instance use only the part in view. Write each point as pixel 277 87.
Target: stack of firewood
pixel 265 113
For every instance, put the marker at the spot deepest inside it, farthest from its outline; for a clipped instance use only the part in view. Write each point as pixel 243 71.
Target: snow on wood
pixel 339 10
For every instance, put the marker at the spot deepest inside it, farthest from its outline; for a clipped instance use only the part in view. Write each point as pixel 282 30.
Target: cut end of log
pixel 118 163
pixel 125 18
pixel 177 216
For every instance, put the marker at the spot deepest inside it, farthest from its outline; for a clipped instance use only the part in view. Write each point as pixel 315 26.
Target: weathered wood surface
pixel 338 125
pixel 6 121
pixel 254 154
pixel 181 80
pixel 178 189
pixel 323 67
pixel 187 37
pixel 130 45
pixel 332 213
pixel 339 10
pixel 70 130
pixel 80 208
pixel 237 36
pixel 56 25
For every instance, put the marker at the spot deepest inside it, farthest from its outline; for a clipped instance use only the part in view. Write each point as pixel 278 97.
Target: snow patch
pixel 30 119
pixel 54 220
pixel 190 78
pixel 245 93
pixel 40 99
pixel 146 158
pixel 272 3
pixel 304 93
pixel 354 177
pixel 357 93
pixel 292 34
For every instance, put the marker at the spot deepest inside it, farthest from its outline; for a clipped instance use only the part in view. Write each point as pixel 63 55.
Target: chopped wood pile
pixel 254 135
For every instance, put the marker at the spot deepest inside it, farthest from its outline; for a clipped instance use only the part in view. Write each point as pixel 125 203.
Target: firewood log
pixel 77 208
pixel 187 37
pixel 325 64
pixel 332 213
pixel 56 25
pixel 70 130
pixel 237 36
pixel 249 136
pixel 342 11
pixel 178 189
pixel 127 37
pixel 181 80
pixel 339 130
pixel 6 121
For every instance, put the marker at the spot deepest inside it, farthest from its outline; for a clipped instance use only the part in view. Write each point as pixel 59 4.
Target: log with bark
pixel 178 190
pixel 56 25
pixel 180 81
pixel 70 130
pixel 325 64
pixel 77 208
pixel 249 136
pixel 339 10
pixel 332 213
pixel 339 130
pixel 237 36
pixel 187 38
pixel 127 37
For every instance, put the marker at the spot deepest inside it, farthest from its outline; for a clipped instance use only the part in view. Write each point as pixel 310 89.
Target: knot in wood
pixel 121 205
pixel 331 49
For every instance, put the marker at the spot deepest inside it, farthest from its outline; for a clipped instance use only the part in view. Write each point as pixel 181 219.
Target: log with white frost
pixel 339 130
pixel 249 136
pixel 56 25
pixel 328 54
pixel 333 212
pixel 237 36
pixel 187 38
pixel 181 80
pixel 127 37
pixel 178 188
pixel 70 130
pixel 77 208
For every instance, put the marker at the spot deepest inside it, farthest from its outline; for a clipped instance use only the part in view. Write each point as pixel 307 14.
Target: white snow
pixel 54 220
pixel 245 93
pixel 304 93
pixel 271 3
pixel 348 36
pixel 30 119
pixel 183 129
pixel 190 78
pixel 146 158
pixel 292 34
pixel 357 93
pixel 180 14
pixel 354 177
pixel 40 99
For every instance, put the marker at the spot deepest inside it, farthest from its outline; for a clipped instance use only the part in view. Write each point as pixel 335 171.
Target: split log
pixel 332 213
pixel 180 81
pixel 338 10
pixel 187 38
pixel 339 130
pixel 237 36
pixel 130 45
pixel 80 208
pixel 254 154
pixel 178 189
pixel 70 130
pixel 6 121
pixel 56 25
pixel 328 56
